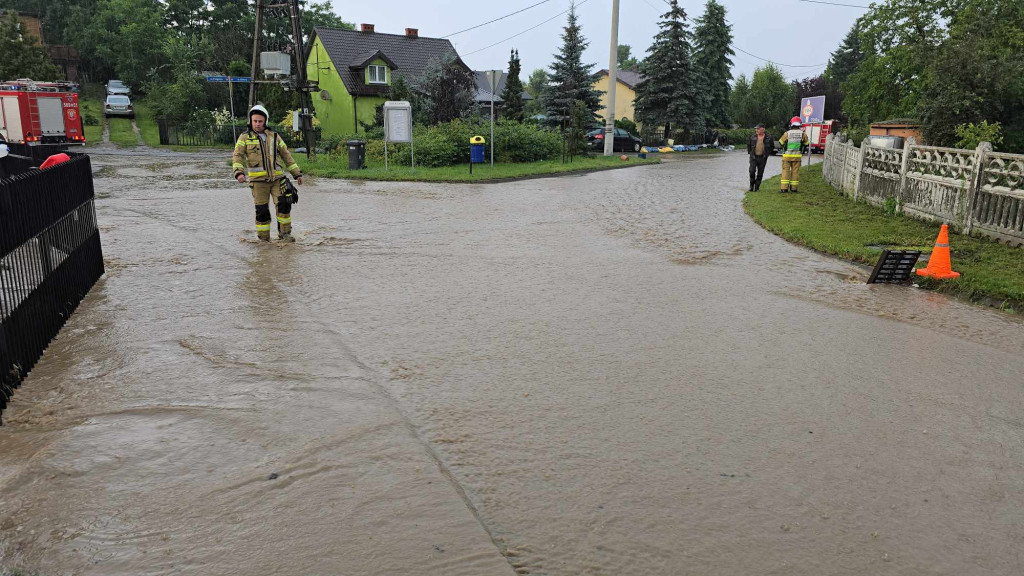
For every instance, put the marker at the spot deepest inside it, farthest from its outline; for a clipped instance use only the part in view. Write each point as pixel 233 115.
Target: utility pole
pixel 302 86
pixel 613 64
pixel 255 53
pixel 301 83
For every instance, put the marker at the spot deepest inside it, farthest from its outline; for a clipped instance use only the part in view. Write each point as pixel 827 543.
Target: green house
pixel 355 67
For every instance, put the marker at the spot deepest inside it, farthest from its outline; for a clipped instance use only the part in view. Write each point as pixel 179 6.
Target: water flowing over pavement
pixel 613 373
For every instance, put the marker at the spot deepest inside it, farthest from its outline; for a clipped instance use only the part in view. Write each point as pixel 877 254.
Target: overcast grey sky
pixel 785 31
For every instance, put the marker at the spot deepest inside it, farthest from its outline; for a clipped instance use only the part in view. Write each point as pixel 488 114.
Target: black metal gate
pixel 50 257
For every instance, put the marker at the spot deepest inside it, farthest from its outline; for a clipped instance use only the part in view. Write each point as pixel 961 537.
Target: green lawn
pixel 146 122
pixel 821 218
pixel 337 167
pixel 91 108
pixel 121 132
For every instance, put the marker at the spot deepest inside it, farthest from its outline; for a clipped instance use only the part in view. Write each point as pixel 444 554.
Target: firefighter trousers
pixel 262 193
pixel 790 173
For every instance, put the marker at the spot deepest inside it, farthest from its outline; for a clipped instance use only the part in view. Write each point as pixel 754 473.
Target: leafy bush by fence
pixel 447 144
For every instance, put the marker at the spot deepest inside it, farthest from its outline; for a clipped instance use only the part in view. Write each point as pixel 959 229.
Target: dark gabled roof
pixel 349 49
pixel 364 60
pixel 628 77
pixel 483 92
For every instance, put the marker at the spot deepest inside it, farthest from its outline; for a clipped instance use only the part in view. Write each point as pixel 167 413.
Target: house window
pixel 378 74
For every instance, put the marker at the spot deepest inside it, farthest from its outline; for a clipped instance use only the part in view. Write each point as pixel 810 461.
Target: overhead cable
pixel 496 19
pixel 837 4
pixel 525 31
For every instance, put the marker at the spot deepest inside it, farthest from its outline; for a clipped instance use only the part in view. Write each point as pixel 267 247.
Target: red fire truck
pixel 817 133
pixel 35 113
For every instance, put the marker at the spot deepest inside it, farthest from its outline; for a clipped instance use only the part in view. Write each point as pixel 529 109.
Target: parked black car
pixel 624 141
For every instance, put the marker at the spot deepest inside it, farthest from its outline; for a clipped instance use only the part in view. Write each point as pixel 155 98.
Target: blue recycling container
pixel 476 150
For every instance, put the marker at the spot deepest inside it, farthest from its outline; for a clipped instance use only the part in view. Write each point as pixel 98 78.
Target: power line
pixel 733 45
pixel 525 31
pixel 837 4
pixel 780 63
pixel 496 19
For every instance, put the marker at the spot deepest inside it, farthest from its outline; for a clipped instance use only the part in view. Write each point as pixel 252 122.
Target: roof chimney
pixel 366 28
pixel 412 32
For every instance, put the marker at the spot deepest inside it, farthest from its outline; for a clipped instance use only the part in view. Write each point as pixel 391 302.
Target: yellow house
pixel 625 92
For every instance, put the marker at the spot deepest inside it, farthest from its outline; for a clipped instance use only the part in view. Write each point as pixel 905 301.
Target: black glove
pixel 290 192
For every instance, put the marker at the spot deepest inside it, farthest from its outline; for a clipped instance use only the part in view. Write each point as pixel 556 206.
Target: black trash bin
pixel 356 154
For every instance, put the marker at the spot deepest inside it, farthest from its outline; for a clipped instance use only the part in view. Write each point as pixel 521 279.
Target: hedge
pixel 448 144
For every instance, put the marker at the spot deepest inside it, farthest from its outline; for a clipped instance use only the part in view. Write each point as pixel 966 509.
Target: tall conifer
pixel 668 94
pixel 512 95
pixel 570 79
pixel 712 49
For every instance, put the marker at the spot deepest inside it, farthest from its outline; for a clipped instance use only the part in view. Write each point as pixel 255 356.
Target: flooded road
pixel 614 373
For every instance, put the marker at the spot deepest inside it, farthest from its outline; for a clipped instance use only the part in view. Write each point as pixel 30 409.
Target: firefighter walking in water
pixel 258 152
pixel 792 143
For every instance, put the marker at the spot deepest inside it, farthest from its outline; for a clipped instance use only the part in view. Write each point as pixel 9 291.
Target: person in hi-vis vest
pixel 258 157
pixel 792 143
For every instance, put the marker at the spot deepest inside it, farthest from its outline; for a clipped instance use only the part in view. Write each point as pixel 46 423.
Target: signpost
pixel 812 111
pixel 231 80
pixel 398 128
pixel 493 78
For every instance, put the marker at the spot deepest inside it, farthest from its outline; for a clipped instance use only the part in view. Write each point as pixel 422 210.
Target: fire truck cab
pixel 35 113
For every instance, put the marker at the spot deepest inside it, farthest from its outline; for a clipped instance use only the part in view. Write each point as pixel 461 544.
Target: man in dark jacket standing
pixel 759 147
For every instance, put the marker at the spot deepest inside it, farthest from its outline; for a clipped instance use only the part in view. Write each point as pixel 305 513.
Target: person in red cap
pixel 792 143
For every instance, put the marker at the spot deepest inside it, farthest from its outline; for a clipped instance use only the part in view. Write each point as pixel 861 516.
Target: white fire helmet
pixel 259 109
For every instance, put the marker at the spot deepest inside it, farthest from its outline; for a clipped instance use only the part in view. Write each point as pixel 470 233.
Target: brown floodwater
pixel 614 373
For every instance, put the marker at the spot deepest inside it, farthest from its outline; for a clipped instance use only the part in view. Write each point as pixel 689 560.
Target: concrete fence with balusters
pixel 974 191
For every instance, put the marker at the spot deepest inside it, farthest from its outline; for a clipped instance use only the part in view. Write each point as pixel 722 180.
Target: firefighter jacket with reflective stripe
pixel 260 159
pixel 792 141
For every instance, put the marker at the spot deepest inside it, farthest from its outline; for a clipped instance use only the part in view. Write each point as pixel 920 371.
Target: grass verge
pixel 121 132
pixel 91 108
pixel 146 122
pixel 337 167
pixel 821 218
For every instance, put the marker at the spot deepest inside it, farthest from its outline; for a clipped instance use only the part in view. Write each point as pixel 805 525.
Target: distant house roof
pixel 898 122
pixel 351 51
pixel 483 92
pixel 628 77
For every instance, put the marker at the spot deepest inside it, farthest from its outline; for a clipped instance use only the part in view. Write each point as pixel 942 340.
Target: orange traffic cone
pixel 938 264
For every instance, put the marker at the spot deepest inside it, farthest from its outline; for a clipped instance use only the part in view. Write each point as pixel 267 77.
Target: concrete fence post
pixel 860 169
pixel 974 186
pixel 901 192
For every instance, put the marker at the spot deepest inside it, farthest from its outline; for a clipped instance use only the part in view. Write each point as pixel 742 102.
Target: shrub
pixel 627 125
pixel 90 119
pixel 970 135
pixel 857 134
pixel 447 144
pixel 738 137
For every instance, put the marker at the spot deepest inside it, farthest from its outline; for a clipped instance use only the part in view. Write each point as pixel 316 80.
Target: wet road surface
pixel 614 373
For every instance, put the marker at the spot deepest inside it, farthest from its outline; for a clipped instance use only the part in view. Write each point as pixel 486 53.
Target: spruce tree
pixel 512 95
pixel 570 79
pixel 712 49
pixel 846 58
pixel 668 95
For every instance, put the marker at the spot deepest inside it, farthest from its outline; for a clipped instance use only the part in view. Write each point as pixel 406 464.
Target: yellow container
pixel 477 140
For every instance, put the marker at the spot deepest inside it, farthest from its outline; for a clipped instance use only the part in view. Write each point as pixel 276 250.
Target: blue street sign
pixel 216 78
pixel 812 110
pixel 242 79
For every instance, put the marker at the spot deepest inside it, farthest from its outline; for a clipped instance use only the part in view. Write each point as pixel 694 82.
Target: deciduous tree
pixel 23 57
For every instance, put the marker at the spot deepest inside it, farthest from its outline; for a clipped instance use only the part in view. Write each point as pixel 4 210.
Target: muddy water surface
pixel 616 373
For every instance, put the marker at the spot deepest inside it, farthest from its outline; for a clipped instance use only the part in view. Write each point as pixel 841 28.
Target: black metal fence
pixel 178 136
pixel 50 257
